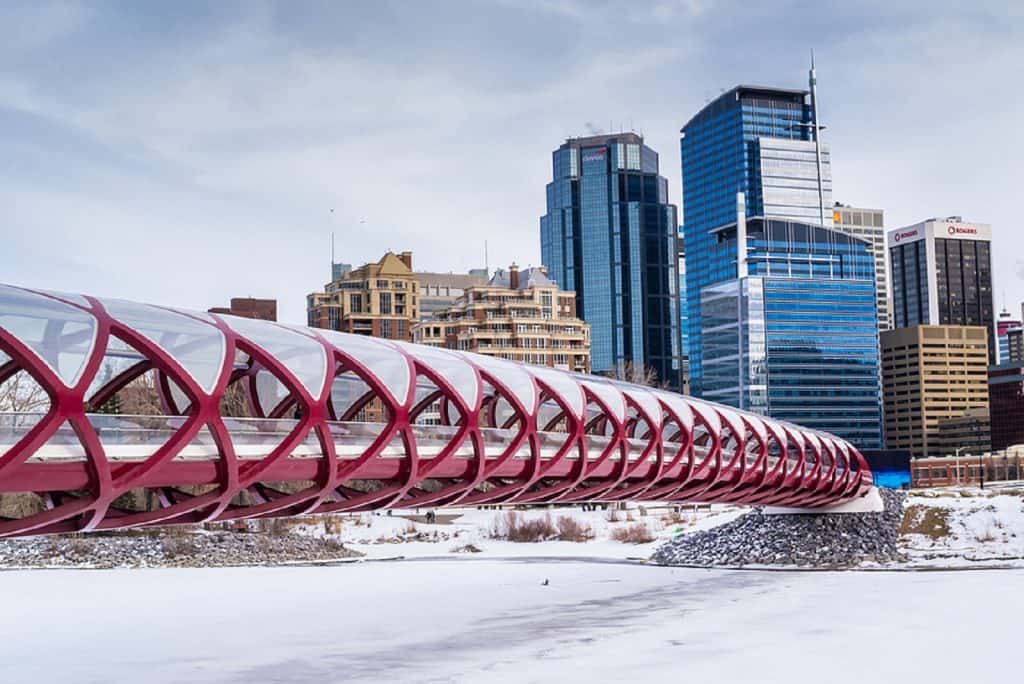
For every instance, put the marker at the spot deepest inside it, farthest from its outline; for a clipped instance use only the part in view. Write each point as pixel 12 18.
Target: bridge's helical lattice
pixel 117 414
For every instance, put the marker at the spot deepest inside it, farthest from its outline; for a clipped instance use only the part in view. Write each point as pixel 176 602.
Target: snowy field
pixel 468 619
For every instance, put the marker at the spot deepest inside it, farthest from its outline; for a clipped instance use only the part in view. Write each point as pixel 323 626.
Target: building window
pixel 385 303
pixel 385 328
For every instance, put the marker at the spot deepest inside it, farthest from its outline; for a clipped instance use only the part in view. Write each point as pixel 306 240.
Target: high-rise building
pixel 781 314
pixel 249 307
pixel 942 275
pixel 869 225
pixel 517 315
pixel 1014 345
pixel 611 236
pixel 931 373
pixel 379 299
pixel 1005 324
pixel 1006 404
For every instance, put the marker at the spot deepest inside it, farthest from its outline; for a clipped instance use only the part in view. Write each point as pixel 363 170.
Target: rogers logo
pixel 904 235
pixel 960 230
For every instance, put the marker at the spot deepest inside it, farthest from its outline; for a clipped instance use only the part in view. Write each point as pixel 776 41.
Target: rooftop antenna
pixel 487 261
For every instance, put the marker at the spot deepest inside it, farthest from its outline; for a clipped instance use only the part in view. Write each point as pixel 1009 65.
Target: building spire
pixel 812 82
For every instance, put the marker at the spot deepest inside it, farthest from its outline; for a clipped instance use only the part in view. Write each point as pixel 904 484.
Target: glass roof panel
pixel 564 384
pixel 679 406
pixel 513 375
pixel 385 362
pixel 61 335
pixel 459 373
pixel 707 412
pixel 198 347
pixel 67 297
pixel 305 358
pixel 644 398
pixel 611 396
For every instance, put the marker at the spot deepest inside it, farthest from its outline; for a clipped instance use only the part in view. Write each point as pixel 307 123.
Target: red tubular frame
pixel 722 454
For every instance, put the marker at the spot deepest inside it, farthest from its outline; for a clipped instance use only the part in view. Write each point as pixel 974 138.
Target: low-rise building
pixel 378 299
pixel 521 316
pixel 931 373
pixel 967 468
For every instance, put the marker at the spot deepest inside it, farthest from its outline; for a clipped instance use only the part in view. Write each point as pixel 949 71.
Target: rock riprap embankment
pixel 830 540
pixel 171 548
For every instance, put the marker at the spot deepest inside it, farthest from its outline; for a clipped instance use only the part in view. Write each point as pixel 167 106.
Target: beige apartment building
pixel 517 315
pixel 931 374
pixel 378 299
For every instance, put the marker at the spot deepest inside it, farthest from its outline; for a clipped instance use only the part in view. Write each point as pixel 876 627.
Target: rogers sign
pixel 961 230
pixel 904 235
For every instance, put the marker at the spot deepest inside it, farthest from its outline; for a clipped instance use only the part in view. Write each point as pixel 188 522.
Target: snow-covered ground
pixel 964 527
pixel 485 620
pixel 975 527
pixel 378 535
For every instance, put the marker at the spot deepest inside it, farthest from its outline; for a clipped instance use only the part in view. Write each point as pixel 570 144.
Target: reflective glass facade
pixel 796 334
pixel 610 235
pixel 798 338
pixel 722 154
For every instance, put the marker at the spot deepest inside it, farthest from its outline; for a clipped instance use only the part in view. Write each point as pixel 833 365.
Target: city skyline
pixel 222 139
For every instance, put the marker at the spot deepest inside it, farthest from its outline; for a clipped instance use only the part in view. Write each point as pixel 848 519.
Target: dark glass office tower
pixel 781 309
pixel 611 236
pixel 942 275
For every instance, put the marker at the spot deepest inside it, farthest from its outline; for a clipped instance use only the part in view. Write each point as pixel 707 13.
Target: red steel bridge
pixel 236 418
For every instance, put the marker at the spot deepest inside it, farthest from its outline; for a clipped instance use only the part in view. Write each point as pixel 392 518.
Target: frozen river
pixel 490 620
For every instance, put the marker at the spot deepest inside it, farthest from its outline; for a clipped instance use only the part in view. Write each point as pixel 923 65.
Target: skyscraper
pixel 1005 324
pixel 942 275
pixel 782 313
pixel 869 225
pixel 611 235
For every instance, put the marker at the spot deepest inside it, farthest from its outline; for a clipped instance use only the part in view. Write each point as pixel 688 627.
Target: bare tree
pixel 22 394
pixel 636 373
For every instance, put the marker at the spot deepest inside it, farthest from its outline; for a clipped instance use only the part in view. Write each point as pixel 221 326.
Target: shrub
pixel 571 529
pixel 637 533
pixel 332 525
pixel 515 528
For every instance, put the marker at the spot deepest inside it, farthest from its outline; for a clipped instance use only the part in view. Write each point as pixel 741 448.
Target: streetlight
pixel 958 450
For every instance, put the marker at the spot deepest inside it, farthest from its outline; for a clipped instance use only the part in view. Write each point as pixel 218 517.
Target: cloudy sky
pixel 183 153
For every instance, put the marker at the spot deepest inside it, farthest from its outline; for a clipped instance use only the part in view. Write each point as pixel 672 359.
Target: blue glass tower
pixel 610 235
pixel 781 312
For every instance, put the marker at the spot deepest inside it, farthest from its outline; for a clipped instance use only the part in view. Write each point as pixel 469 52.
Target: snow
pixel 484 620
pixel 985 527
pixel 378 535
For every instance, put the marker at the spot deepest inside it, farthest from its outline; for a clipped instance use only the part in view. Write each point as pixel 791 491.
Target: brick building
pixel 249 307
